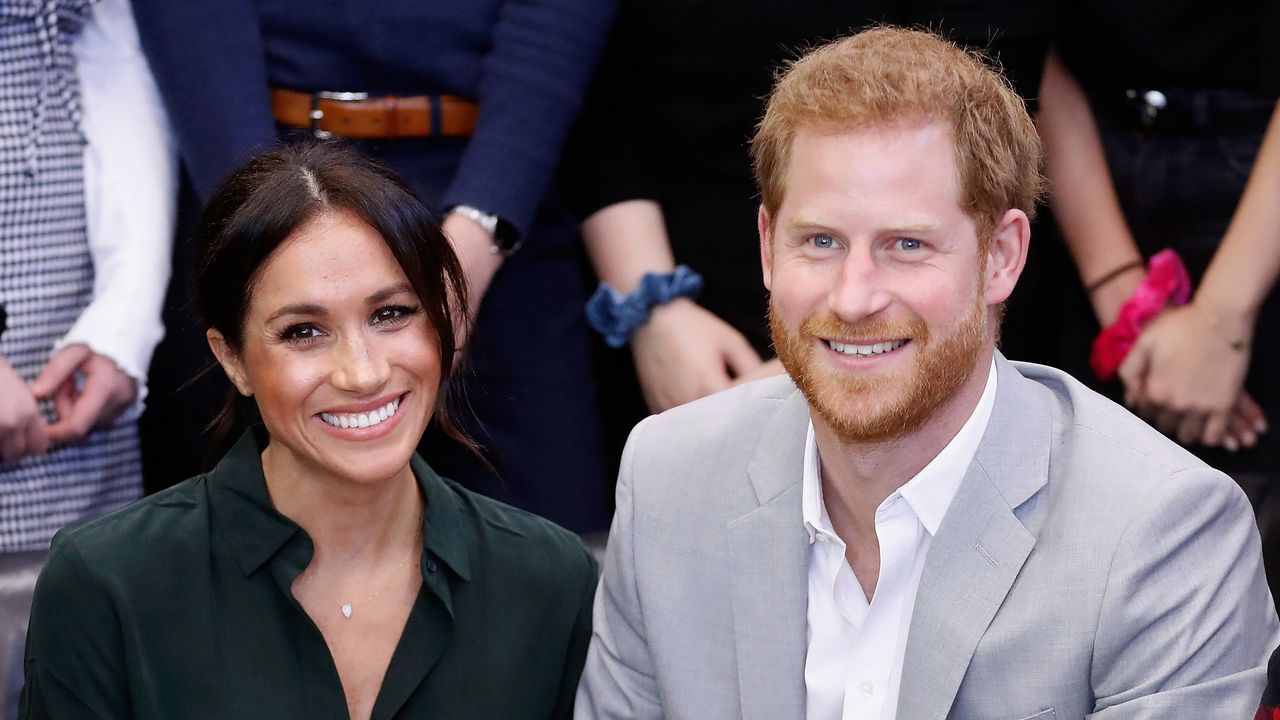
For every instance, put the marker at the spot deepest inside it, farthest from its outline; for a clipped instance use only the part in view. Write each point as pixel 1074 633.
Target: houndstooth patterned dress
pixel 46 272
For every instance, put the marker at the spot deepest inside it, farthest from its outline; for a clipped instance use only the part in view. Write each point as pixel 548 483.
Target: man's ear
pixel 230 362
pixel 1007 255
pixel 766 246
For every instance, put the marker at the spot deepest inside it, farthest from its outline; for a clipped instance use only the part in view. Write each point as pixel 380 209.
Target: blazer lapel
pixel 979 550
pixel 769 560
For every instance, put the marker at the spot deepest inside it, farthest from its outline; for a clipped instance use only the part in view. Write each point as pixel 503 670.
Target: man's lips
pixel 865 348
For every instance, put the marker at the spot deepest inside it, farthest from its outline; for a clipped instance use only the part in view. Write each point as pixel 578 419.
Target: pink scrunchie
pixel 1167 283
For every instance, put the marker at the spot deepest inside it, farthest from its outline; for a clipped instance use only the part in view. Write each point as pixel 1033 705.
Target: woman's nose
pixel 361 369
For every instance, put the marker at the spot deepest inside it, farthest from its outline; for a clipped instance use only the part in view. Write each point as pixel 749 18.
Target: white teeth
pixel 362 420
pixel 875 349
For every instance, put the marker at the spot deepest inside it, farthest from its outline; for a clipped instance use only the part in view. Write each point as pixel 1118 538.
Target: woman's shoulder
pixel 144 536
pixel 511 541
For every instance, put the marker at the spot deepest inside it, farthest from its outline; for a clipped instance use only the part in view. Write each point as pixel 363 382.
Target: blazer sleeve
pixel 607 161
pixel 75 660
pixel 531 88
pixel 618 680
pixel 1186 621
pixel 210 66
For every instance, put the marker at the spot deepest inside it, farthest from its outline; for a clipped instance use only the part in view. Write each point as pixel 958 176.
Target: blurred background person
pixel 323 569
pixel 86 217
pixel 470 100
pixel 658 169
pixel 1161 132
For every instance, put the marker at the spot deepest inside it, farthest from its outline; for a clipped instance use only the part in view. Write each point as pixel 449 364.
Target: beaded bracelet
pixel 617 316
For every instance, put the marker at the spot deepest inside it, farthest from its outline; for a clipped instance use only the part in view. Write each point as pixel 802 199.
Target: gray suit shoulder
pixel 1098 417
pixel 700 452
pixel 1103 449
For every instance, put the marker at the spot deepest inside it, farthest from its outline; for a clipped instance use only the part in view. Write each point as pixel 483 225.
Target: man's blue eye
pixel 824 242
pixel 909 244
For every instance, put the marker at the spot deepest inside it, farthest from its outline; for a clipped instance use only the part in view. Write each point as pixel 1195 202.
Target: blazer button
pixel 431 564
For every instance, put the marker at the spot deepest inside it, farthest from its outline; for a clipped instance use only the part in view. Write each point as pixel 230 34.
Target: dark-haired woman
pixel 470 101
pixel 321 570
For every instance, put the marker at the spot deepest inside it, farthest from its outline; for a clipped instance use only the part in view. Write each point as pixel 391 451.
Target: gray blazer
pixel 1088 567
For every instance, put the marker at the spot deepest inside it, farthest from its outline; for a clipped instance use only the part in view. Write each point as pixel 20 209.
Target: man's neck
pixel 857 477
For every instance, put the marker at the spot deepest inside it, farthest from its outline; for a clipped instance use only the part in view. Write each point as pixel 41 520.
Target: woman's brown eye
pixel 302 332
pixel 393 313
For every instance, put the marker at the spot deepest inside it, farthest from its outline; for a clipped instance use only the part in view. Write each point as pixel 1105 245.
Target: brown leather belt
pixel 355 115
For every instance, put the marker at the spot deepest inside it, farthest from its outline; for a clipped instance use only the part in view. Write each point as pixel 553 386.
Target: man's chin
pixel 864 420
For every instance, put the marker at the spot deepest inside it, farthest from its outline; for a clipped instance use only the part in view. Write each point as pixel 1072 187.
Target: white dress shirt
pixel 130 181
pixel 854 662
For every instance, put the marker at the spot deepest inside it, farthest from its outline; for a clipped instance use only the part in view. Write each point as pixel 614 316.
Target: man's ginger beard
pixel 853 405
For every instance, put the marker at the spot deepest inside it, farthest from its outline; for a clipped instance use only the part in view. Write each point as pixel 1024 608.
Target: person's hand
pixel 22 429
pixel 474 248
pixel 1183 375
pixel 105 394
pixel 683 352
pixel 1246 424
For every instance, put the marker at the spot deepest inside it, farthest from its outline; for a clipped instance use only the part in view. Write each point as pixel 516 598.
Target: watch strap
pixel 506 240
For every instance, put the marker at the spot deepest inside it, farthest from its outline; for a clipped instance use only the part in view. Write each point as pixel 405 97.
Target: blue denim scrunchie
pixel 616 316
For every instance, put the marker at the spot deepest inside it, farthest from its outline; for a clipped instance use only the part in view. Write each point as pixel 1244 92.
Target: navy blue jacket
pixel 527 62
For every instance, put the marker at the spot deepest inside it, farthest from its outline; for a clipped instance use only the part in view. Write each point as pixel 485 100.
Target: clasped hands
pixel 1185 375
pixel 81 406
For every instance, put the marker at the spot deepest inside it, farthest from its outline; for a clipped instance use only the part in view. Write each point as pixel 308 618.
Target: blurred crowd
pixel 571 145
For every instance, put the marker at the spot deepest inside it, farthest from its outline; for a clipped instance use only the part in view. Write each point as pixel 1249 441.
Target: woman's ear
pixel 230 362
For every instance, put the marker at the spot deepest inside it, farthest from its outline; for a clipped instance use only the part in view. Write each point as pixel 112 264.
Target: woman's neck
pixel 350 523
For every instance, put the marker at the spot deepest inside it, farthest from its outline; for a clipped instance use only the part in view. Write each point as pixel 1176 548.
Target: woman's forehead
pixel 335 258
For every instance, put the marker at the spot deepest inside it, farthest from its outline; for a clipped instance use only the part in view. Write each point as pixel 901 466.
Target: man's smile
pixel 877 348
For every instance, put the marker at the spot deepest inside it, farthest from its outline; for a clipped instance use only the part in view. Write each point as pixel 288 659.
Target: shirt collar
pixel 244 513
pixel 929 493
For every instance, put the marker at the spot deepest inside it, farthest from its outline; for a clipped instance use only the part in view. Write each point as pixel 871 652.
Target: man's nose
pixel 859 290
pixel 360 367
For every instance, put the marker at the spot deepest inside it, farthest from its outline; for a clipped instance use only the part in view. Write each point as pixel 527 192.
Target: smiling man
pixel 909 526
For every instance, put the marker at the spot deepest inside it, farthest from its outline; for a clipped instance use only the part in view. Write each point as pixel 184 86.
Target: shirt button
pixel 867 687
pixel 431 564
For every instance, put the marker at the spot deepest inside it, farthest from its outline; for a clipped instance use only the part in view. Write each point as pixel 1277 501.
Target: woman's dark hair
pixel 276 193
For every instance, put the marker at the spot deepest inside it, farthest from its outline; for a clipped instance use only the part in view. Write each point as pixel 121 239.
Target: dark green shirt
pixel 179 606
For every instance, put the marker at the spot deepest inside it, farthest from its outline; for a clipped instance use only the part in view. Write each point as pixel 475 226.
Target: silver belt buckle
pixel 317 114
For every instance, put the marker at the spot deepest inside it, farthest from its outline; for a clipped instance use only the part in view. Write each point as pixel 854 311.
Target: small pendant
pixel 346 610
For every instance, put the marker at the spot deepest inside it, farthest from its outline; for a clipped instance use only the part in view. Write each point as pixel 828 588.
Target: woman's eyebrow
pixel 388 292
pixel 299 309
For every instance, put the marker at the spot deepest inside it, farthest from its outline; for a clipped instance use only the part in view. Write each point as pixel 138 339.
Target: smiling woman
pixel 322 569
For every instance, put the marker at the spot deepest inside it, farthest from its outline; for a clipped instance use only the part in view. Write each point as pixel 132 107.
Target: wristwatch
pixel 505 240
pixel 3 320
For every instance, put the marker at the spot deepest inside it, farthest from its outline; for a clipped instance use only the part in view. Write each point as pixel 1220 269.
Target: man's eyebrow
pixel 911 226
pixel 914 227
pixel 388 292
pixel 298 309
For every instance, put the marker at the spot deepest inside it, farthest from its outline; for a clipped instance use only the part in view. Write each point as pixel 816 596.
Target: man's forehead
pixel 912 166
